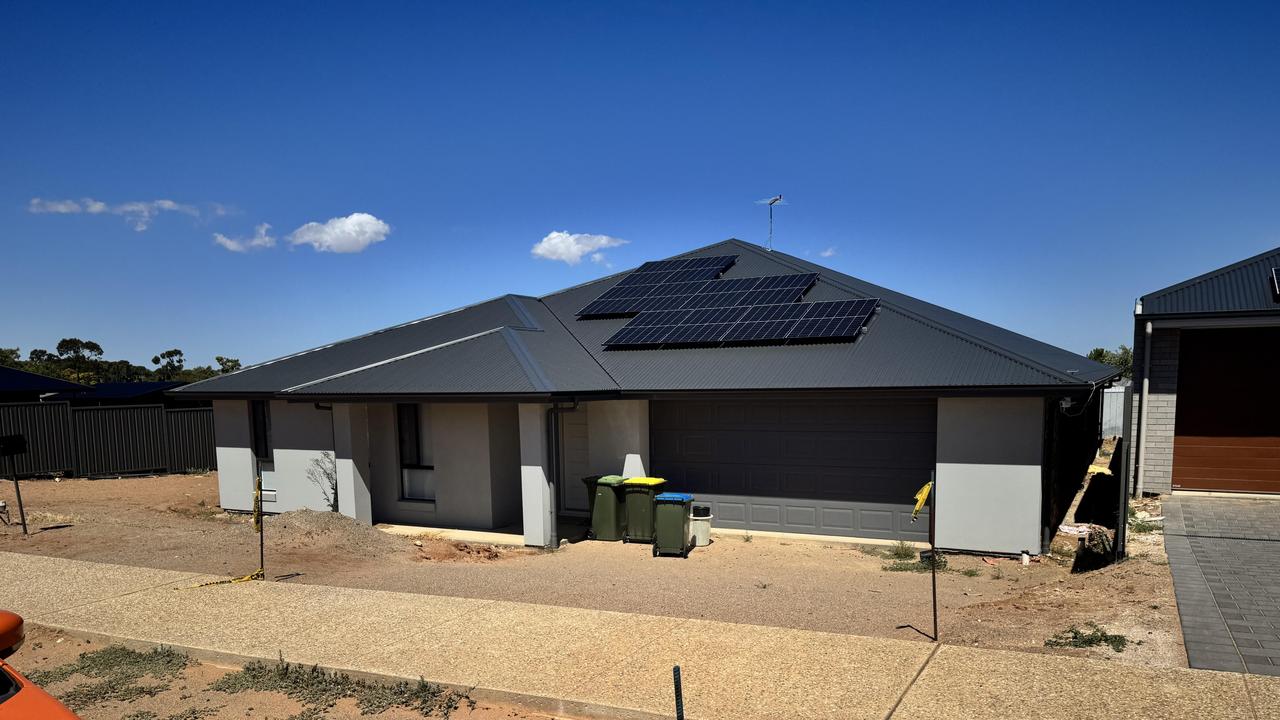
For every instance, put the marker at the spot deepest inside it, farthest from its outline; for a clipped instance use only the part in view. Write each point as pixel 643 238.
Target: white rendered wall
pixel 234 453
pixel 990 452
pixel 351 437
pixel 535 493
pixel 618 437
pixel 299 434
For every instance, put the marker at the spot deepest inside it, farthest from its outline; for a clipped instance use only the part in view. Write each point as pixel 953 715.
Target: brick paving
pixel 1225 557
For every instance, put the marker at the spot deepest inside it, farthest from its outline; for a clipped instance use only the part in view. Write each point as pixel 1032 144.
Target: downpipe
pixel 1142 412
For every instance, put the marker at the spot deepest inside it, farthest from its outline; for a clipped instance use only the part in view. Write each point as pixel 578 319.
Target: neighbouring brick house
pixel 1206 411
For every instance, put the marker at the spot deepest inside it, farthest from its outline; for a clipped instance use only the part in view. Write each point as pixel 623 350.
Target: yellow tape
pixel 922 496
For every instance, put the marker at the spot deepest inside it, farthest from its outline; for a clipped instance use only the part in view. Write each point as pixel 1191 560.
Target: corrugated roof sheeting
pixel 482 364
pixel 15 380
pixel 910 343
pixel 1241 287
pixel 276 375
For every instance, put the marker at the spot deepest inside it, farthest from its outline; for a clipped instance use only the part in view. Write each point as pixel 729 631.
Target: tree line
pixel 82 361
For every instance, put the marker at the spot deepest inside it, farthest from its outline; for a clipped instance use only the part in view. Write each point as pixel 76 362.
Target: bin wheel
pixel 591 535
pixel 624 540
pixel 655 551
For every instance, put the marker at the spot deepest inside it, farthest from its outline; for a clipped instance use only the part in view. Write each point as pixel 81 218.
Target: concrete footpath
pixel 606 664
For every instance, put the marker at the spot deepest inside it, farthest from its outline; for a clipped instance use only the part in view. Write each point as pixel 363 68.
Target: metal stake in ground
pixel 675 675
pixel 11 445
pixel 258 524
pixel 923 495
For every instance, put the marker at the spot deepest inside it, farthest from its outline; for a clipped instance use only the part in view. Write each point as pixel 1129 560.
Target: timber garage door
pixel 1227 421
pixel 847 467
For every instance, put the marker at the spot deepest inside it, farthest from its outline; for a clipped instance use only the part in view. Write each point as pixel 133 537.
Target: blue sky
pixel 1037 165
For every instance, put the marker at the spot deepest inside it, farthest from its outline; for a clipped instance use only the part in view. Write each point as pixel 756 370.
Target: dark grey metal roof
pixel 537 346
pixel 910 343
pixel 1245 286
pixel 15 380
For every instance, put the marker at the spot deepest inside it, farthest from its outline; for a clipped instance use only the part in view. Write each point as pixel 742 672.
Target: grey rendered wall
pixel 504 464
pixel 385 454
pixel 989 493
pixel 535 493
pixel 461 449
pixel 1163 402
pixel 299 434
pixel 235 456
pixel 618 434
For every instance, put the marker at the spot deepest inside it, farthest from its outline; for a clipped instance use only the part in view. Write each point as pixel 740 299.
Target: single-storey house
pixel 785 395
pixel 1206 410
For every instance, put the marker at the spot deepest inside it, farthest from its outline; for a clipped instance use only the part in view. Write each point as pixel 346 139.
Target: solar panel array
pixel 684 302
pixel 828 320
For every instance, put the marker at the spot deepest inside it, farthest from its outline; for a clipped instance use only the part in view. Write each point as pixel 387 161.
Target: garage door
pixel 1227 421
pixel 806 466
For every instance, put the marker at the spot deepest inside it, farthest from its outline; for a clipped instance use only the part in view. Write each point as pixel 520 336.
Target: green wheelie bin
pixel 639 492
pixel 608 514
pixel 672 534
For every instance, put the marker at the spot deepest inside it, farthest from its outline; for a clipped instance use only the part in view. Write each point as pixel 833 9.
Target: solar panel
pixel 790 322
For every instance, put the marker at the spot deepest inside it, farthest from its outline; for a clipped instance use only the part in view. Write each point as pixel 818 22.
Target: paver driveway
pixel 1225 558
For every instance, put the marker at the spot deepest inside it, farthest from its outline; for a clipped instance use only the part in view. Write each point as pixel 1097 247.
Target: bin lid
pixel 611 480
pixel 644 481
pixel 673 497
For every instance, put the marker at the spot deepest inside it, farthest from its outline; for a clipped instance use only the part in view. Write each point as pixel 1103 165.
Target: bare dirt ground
pixel 173 522
pixel 191 695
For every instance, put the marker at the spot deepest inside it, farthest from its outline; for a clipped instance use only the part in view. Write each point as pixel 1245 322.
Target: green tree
pixel 226 364
pixel 169 364
pixel 1121 358
pixel 82 356
pixel 10 357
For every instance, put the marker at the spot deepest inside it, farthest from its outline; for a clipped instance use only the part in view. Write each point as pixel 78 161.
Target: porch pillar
pixel 535 491
pixel 351 449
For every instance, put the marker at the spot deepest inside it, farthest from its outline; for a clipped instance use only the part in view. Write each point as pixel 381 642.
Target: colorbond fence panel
pixel 109 440
pixel 51 446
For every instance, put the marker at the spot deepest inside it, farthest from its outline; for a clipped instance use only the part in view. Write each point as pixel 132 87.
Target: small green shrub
pixel 117 670
pixel 970 572
pixel 319 689
pixel 1075 637
pixel 902 550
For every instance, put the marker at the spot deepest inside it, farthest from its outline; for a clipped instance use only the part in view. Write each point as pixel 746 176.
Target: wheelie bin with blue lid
pixel 672 534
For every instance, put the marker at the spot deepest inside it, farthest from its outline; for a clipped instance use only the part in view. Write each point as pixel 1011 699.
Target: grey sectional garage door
pixel 847 467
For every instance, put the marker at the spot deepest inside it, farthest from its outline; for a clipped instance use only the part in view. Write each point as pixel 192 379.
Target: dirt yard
pixel 173 522
pixel 171 686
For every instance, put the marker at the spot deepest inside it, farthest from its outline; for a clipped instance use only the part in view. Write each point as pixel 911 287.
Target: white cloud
pixel 350 234
pixel 260 239
pixel 138 213
pixel 58 207
pixel 829 252
pixel 572 247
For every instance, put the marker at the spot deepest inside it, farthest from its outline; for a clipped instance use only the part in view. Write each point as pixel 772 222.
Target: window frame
pixel 402 410
pixel 260 439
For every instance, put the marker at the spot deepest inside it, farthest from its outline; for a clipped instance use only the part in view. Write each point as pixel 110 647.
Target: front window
pixel 260 428
pixel 417 475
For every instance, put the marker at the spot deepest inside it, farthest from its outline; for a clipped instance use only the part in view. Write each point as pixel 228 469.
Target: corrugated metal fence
pixel 1113 411
pixel 110 440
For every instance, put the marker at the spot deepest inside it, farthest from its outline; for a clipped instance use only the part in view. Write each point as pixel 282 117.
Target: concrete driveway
pixel 1225 558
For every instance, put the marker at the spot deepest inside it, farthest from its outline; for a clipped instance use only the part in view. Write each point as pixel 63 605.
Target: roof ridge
pixel 631 270
pixel 388 361
pixel 353 338
pixel 532 368
pixel 899 309
pixel 1205 277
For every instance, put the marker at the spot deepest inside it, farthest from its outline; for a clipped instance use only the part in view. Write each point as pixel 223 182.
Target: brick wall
pixel 1163 400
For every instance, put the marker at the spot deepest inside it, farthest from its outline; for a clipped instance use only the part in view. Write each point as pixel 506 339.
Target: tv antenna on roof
pixel 775 200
